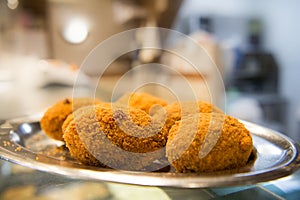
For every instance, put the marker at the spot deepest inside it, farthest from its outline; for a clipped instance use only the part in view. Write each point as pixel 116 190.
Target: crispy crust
pixel 54 117
pixel 174 111
pixel 232 149
pixel 95 131
pixel 143 101
pixel 133 134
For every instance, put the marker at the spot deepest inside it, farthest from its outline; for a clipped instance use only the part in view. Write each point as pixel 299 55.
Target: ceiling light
pixel 76 31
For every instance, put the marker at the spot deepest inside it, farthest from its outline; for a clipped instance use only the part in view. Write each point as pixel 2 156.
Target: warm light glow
pixel 76 31
pixel 12 4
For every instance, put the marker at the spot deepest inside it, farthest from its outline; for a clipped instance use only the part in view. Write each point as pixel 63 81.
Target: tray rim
pixel 160 179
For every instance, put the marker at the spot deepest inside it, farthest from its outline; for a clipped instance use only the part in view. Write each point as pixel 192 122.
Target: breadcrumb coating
pixel 54 117
pixel 177 110
pixel 231 150
pixel 140 132
pixel 143 101
pixel 118 138
pixel 70 117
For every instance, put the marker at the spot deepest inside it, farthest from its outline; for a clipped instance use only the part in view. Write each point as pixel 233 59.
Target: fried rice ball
pixel 175 111
pixel 120 138
pixel 190 150
pixel 143 101
pixel 52 120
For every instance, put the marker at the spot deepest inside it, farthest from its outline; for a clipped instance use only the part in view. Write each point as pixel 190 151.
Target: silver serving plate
pixel 22 140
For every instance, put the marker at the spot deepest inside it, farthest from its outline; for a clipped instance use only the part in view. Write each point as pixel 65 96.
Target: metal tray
pixel 23 142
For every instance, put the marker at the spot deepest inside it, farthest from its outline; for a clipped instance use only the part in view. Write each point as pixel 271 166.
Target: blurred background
pixel 254 44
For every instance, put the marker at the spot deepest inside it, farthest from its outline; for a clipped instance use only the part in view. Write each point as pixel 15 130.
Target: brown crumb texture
pixel 77 148
pixel 178 110
pixel 18 149
pixel 53 118
pixel 143 101
pixel 70 117
pixel 231 150
pixel 106 133
pixel 57 152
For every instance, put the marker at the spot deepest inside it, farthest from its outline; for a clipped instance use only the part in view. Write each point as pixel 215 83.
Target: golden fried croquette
pixel 67 122
pixel 175 111
pixel 76 147
pixel 115 137
pixel 53 118
pixel 185 148
pixel 70 117
pixel 143 101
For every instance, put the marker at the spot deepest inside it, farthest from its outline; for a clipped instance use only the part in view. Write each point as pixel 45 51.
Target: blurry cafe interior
pixel 250 71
